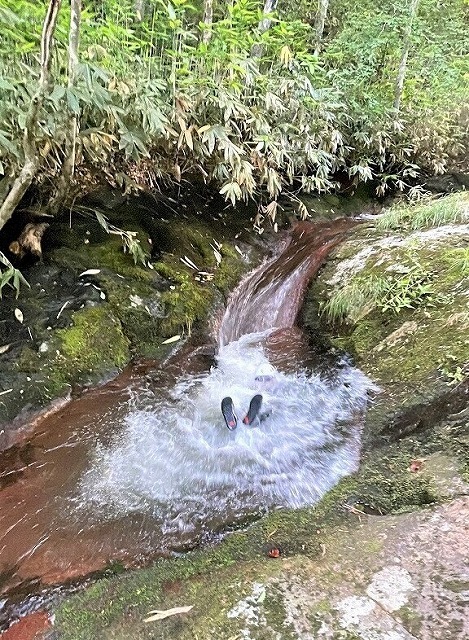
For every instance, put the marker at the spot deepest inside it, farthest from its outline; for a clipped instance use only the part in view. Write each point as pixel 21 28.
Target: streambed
pixel 145 466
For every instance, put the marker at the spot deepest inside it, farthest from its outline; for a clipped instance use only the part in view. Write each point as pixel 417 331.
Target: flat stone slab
pixel 393 578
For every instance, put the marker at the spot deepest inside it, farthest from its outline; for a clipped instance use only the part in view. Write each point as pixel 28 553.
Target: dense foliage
pixel 256 109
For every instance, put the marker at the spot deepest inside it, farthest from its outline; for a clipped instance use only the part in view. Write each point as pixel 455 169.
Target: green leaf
pixel 5 84
pixel 72 101
pixel 8 145
pixel 57 94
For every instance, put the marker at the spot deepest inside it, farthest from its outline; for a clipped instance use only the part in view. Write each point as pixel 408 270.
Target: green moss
pixel 187 303
pixel 433 345
pixel 229 271
pixel 344 634
pixel 392 488
pixel 217 578
pixel 91 347
pixel 275 615
pixel 143 330
pixel 94 340
pixel 190 298
pixel 371 319
pixel 107 256
pixel 411 620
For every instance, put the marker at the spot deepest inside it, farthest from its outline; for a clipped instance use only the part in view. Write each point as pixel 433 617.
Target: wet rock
pixel 34 626
pixel 402 577
pixel 90 307
pixel 384 555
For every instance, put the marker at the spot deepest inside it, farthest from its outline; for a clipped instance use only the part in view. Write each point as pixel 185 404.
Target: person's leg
pixel 227 409
pixel 254 409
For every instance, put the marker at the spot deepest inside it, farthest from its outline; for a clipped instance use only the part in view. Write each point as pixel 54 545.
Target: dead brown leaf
pixel 416 465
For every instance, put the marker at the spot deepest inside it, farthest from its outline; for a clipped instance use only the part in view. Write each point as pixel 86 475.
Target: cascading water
pixel 156 470
pixel 175 459
pixel 271 295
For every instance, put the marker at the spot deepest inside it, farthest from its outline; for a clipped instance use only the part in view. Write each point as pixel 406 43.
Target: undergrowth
pixel 408 289
pixel 458 261
pixel 435 212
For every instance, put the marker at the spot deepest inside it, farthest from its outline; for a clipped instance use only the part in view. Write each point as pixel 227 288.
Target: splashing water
pixel 119 478
pixel 177 461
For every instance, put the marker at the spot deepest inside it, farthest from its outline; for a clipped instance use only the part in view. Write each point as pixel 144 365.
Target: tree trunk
pixel 208 19
pixel 269 7
pixel 139 6
pixel 399 86
pixel 264 25
pixel 31 155
pixel 68 166
pixel 320 21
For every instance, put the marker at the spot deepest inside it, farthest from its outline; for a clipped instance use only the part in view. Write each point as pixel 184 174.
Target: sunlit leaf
pixel 172 339
pixel 231 191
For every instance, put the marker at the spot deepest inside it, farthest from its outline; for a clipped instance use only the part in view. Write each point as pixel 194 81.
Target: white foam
pixel 176 460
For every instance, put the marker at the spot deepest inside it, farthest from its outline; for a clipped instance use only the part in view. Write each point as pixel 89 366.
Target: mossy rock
pixel 239 570
pixel 397 302
pixel 94 342
pixel 122 308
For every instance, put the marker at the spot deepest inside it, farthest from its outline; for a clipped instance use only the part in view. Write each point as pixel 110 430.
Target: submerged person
pixel 265 380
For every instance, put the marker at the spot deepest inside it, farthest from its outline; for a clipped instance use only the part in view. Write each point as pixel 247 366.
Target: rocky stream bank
pixel 384 555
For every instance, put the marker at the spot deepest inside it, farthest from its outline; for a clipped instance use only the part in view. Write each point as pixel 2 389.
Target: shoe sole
pixel 229 415
pixel 254 408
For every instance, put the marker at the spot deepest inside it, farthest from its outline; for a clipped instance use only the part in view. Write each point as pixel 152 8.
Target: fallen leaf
pixel 19 315
pixel 416 465
pixel 274 552
pixel 4 348
pixel 188 262
pixel 161 615
pixel 90 272
pixel 218 256
pixel 62 308
pixel 173 339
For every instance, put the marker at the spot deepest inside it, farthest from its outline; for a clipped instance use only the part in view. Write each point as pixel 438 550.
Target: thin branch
pixel 68 166
pixel 31 156
pixel 320 21
pixel 264 25
pixel 208 19
pixel 400 78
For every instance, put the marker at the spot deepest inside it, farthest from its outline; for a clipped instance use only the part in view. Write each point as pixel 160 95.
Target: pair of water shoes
pixel 227 408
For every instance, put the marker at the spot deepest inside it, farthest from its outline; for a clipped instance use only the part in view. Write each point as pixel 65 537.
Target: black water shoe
pixel 227 408
pixel 253 411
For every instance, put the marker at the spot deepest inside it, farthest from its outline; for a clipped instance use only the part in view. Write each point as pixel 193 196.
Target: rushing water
pixel 148 466
pixel 175 460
